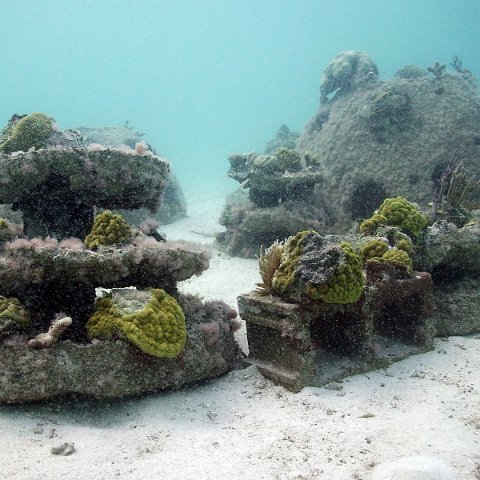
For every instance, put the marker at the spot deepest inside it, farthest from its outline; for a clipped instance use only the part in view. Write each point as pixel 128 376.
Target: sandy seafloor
pixel 423 412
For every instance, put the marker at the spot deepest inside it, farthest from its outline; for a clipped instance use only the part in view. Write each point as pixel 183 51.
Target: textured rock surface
pixel 52 280
pixel 57 188
pixel 369 140
pixel 173 204
pixel 392 138
pixel 450 251
pixel 107 369
pixel 457 307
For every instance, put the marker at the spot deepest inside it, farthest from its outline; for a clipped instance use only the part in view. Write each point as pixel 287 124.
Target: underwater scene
pixel 240 240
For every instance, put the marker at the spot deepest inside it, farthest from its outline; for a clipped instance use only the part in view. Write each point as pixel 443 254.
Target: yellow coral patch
pixel 108 229
pixel 399 257
pixel 403 214
pixel 157 329
pixel 346 286
pixel 374 248
pixel 12 309
pixel 284 276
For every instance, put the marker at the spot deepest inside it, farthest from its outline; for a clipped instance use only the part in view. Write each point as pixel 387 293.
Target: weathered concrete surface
pixel 48 281
pixel 314 343
pixel 457 307
pixel 106 369
pixel 57 188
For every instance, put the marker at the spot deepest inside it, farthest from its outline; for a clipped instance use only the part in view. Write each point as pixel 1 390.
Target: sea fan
pixel 269 262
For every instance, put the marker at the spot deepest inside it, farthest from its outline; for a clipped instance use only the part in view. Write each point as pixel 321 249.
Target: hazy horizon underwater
pixel 206 79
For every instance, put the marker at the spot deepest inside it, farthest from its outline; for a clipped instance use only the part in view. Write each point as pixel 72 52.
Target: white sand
pixel 423 412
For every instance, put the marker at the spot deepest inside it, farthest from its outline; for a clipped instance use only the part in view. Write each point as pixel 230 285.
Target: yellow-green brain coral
pixel 374 248
pixel 12 311
pixel 403 214
pixel 30 131
pixel 405 245
pixel 346 285
pixel 369 226
pixel 158 328
pixel 284 276
pixel 108 229
pixel 399 257
pixel 313 266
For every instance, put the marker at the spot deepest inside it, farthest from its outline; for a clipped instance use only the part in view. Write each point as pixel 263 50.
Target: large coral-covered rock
pixel 116 368
pixel 390 138
pixel 370 140
pixel 314 267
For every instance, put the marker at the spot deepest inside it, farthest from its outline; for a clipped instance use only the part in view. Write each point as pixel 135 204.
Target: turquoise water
pixel 207 78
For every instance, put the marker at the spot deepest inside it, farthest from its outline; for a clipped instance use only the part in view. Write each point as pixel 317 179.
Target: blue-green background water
pixel 207 78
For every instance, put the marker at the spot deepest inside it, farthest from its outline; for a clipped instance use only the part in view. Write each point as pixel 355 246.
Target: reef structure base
pixel 313 344
pixel 109 369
